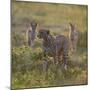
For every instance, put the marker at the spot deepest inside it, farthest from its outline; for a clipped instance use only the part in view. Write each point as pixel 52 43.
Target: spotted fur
pixel 56 47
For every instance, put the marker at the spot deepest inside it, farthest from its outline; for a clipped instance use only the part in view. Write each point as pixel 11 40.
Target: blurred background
pixel 27 61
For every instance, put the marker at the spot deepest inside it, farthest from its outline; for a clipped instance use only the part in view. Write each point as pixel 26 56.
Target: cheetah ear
pixel 48 32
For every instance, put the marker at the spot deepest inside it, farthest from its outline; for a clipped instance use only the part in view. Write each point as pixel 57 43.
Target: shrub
pixel 25 57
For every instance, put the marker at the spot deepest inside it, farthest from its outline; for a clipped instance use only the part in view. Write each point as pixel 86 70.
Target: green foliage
pixel 27 67
pixel 40 13
pixel 82 42
pixel 24 57
pixel 18 38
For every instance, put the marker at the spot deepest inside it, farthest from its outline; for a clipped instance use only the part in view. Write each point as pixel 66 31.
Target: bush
pixel 24 57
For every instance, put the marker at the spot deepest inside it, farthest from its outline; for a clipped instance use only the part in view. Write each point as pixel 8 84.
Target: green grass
pixel 27 62
pixel 27 69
